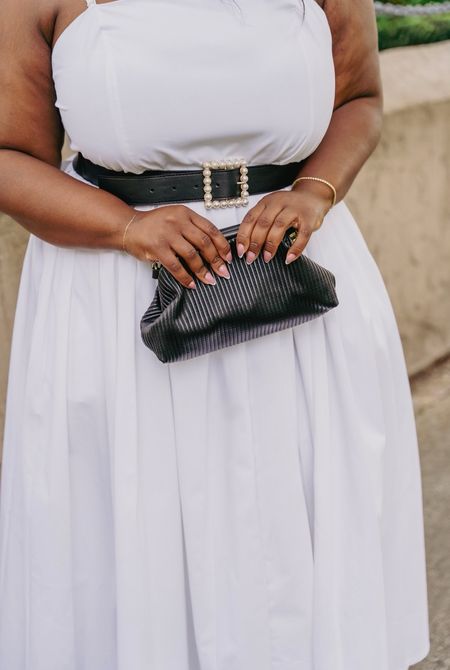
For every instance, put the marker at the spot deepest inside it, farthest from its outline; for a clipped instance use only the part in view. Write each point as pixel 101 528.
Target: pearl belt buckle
pixel 242 200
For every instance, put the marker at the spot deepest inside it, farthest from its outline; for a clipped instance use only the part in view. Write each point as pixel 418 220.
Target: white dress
pixel 258 508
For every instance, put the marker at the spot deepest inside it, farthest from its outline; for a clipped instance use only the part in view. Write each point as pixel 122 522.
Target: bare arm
pixel 53 205
pixel 355 126
pixel 351 137
pixel 33 189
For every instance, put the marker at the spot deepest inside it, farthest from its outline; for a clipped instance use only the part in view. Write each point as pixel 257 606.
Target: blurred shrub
pixel 412 2
pixel 398 31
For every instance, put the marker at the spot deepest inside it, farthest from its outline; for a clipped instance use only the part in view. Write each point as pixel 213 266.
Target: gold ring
pixel 150 260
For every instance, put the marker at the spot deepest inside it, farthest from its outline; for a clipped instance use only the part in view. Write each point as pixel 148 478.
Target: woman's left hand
pixel 264 225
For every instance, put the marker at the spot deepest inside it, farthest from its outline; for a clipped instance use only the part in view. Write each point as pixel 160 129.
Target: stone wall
pixel 400 200
pixel 12 246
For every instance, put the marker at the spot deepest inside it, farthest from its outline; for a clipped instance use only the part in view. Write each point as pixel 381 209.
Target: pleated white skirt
pixel 258 508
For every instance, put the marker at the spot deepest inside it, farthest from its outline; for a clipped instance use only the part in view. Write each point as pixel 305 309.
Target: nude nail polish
pixel 223 272
pixel 289 258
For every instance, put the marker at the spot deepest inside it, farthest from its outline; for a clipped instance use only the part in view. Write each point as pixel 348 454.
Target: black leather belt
pixel 217 183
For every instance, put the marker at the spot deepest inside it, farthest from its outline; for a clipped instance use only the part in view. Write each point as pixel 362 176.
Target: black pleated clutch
pixel 258 299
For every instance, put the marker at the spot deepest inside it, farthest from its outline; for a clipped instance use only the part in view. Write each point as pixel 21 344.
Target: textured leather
pixel 157 187
pixel 258 299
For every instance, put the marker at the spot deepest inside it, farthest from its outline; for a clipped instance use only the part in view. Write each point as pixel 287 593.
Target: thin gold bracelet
pixel 324 181
pixel 126 230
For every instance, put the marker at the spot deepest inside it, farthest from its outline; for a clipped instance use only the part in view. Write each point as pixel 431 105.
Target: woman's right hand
pixel 173 232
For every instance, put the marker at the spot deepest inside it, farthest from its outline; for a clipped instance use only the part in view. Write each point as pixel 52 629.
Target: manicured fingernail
pixel 229 257
pixel 289 258
pixel 240 250
pixel 267 256
pixel 209 278
pixel 223 272
pixel 192 285
pixel 250 257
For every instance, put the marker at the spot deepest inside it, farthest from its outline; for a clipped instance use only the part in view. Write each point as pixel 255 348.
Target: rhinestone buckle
pixel 207 183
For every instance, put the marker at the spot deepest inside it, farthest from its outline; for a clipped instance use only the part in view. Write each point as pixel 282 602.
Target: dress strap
pixel 90 2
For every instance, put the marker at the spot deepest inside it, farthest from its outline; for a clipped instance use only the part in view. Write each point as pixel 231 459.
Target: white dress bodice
pixel 167 84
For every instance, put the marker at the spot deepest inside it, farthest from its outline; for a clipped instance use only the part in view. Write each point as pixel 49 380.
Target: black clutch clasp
pixel 156 266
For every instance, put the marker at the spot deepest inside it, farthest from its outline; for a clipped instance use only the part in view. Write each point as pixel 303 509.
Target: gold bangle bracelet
pixel 324 181
pixel 126 230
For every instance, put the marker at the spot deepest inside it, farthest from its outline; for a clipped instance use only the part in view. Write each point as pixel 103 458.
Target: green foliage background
pixel 398 31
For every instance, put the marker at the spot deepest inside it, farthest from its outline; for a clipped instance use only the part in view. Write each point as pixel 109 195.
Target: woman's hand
pixel 263 227
pixel 174 232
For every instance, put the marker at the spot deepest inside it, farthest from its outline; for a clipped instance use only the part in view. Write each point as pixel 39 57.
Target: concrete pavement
pixel 431 392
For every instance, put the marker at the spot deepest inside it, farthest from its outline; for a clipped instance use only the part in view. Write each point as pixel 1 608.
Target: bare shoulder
pixel 29 120
pixel 355 48
pixel 35 18
pixel 346 15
